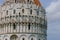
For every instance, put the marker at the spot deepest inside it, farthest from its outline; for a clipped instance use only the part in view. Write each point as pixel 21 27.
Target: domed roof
pixel 37 2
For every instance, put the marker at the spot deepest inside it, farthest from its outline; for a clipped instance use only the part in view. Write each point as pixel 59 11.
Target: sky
pixel 52 8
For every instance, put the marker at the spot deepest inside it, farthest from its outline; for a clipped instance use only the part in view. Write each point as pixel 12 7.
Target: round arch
pixel 14 37
pixel 32 37
pixel 23 37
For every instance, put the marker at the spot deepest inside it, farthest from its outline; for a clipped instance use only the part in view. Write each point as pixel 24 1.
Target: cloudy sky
pixel 53 17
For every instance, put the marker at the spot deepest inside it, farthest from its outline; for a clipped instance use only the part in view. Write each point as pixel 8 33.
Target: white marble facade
pixel 22 21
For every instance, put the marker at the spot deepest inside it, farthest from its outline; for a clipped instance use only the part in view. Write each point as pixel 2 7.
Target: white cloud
pixel 53 11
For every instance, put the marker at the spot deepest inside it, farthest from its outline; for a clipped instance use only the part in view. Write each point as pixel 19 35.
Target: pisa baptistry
pixel 22 20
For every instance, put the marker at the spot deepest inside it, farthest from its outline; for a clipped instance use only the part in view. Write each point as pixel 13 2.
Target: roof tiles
pixel 37 2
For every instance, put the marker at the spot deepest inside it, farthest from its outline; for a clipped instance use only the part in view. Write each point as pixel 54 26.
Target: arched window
pixel 22 10
pixel 19 13
pixel 39 39
pixel 27 0
pixel 30 2
pixel 28 26
pixel 7 12
pixel 15 1
pixel 5 39
pixel 23 38
pixel 14 26
pixel 31 38
pixel 31 11
pixel 14 11
pixel 37 12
